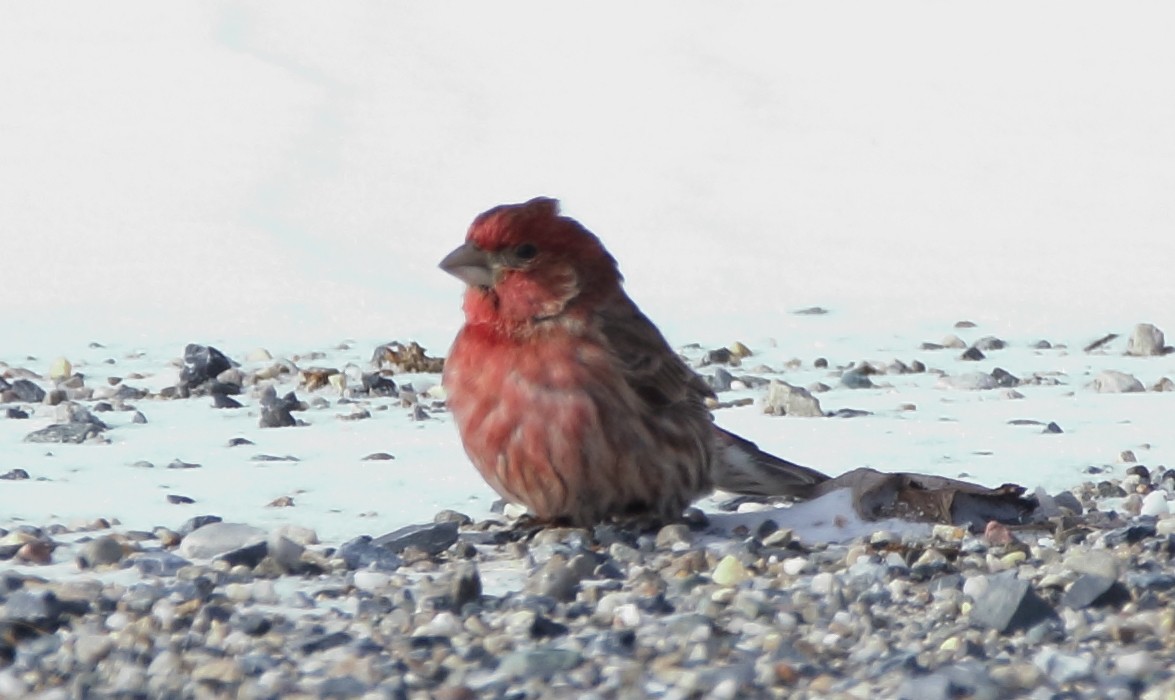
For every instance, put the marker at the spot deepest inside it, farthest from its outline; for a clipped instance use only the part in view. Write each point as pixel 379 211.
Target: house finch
pixel 568 399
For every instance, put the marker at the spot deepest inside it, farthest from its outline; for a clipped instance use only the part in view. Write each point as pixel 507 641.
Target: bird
pixel 569 401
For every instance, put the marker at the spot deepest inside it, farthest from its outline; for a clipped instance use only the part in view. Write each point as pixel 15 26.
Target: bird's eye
pixel 526 251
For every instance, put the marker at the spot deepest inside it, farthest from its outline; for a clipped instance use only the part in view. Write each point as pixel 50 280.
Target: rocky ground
pixel 1074 604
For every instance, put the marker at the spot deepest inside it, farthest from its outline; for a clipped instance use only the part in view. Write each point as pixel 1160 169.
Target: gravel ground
pixel 1076 604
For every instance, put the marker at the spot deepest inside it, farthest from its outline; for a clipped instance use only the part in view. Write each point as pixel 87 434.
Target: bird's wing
pixel 655 372
pixel 751 471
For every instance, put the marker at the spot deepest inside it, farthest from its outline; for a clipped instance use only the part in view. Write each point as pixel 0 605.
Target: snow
pixel 288 177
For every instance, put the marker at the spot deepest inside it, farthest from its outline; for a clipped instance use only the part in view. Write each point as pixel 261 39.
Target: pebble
pixel 1146 340
pixel 1115 382
pixel 219 538
pixel 1076 605
pixel 783 399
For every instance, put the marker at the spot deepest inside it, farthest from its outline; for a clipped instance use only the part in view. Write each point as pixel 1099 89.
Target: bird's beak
pixel 471 265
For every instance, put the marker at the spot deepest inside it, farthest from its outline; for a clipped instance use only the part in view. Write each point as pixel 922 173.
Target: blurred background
pixel 293 172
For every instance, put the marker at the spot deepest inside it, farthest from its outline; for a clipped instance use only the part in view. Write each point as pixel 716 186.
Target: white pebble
pixel 823 583
pixel 1155 503
pixel 370 580
pixel 628 615
pixel 1139 664
pixel 795 566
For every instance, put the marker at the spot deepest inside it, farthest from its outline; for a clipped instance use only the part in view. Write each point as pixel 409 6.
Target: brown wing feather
pixel 657 373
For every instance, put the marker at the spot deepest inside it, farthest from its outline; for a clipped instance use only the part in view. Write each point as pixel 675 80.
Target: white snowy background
pixel 288 175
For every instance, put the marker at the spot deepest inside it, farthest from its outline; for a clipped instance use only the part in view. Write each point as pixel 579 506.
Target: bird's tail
pixel 747 470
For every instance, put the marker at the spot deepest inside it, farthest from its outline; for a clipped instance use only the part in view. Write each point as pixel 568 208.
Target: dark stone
pixel 1052 429
pixel 219 388
pixel 1009 604
pixel 849 413
pixel 1141 472
pixel 1108 489
pixel 15 475
pixel 275 412
pixel 238 441
pixel 202 363
pixel 608 534
pixel 192 524
pixel 1130 534
pixel 41 608
pixel 63 433
pixel 322 642
pixel 988 343
pixel 249 555
pixel 620 642
pixel 26 391
pixel 361 553
pixel 466 586
pixel 375 384
pixel 181 464
pixel 253 624
pixel 139 418
pixel 15 413
pixel 719 356
pixel 432 538
pixel 972 354
pixel 856 379
pixel 129 393
pixel 102 407
pixel 1066 499
pixel 179 500
pixel 1150 580
pixel 1100 342
pixel 721 380
pixel 1004 378
pixel 1091 590
pixel 378 457
pixel 543 627
pixel 224 401
pixel 274 458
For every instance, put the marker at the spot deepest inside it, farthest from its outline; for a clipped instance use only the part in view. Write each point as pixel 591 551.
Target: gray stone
pixel 100 551
pixel 1008 604
pixel 971 381
pixel 75 433
pixel 783 399
pixel 1063 667
pixel 286 552
pixel 856 379
pixel 432 538
pixel 539 663
pixel 361 553
pixel 1146 340
pixel 157 563
pixel 1114 382
pixel 1091 590
pixel 721 380
pixel 964 680
pixel 26 391
pixel 219 538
